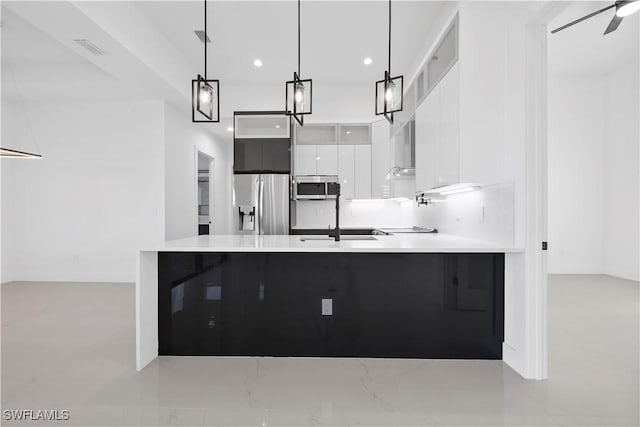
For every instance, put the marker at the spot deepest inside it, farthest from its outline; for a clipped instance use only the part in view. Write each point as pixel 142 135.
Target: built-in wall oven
pixel 314 187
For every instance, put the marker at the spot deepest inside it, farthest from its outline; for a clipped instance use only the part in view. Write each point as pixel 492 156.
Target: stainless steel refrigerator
pixel 261 203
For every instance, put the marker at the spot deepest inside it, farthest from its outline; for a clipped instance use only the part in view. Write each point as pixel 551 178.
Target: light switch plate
pixel 327 307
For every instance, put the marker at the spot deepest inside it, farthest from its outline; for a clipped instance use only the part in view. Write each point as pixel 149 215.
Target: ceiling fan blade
pixel 613 25
pixel 584 18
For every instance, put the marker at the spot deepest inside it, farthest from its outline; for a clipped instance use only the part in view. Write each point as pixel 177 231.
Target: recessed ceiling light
pixel 229 129
pixel 348 132
pixel 277 126
pixel 257 63
pixel 367 61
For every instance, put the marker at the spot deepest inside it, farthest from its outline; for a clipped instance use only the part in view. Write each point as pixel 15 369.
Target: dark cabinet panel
pixel 276 155
pixel 263 155
pixel 200 304
pixel 247 155
pixel 379 305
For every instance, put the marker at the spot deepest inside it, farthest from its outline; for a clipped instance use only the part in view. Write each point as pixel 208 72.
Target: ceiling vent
pixel 200 34
pixel 90 46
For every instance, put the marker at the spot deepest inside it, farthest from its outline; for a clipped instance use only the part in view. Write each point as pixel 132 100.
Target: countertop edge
pixel 407 243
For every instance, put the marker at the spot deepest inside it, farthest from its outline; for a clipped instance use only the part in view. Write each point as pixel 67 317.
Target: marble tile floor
pixel 71 346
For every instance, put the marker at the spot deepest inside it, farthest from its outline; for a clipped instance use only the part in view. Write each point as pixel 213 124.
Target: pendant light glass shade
pixel 205 99
pixel 205 93
pixel 298 92
pixel 299 95
pixel 389 96
pixel 389 91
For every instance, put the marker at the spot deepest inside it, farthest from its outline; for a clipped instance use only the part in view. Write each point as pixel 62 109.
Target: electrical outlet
pixel 327 307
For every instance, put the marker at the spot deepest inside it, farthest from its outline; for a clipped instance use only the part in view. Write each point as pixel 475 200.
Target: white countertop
pixel 411 242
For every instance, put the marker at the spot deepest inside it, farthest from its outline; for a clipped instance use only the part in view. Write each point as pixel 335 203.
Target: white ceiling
pixel 584 50
pixel 38 66
pixel 152 50
pixel 336 37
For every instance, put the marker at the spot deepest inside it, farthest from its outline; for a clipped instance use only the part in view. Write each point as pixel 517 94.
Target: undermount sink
pixel 304 239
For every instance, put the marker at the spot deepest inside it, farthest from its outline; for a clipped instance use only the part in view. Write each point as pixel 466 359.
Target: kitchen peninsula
pixel 397 295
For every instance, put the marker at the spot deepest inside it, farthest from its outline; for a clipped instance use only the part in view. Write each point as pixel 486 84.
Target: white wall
pixel 182 138
pixel 82 212
pixel 492 98
pixel 494 141
pixel 576 111
pixel 621 173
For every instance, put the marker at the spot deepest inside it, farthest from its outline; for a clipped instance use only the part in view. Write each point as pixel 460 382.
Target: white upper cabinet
pixel 261 126
pixel 336 149
pixel 305 160
pixel 427 137
pixel 357 134
pixel 437 134
pixel 362 171
pixel 449 142
pixel 355 160
pixel 327 159
pixel 316 150
pixel 346 171
pixel 317 134
pixel 444 56
pixel 380 159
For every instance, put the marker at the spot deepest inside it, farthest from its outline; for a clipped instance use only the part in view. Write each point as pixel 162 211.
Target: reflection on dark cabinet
pixel 276 155
pixel 247 155
pixel 262 155
pixel 383 305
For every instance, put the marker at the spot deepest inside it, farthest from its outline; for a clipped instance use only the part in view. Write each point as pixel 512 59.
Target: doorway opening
pixel 592 151
pixel 204 188
pixel 593 134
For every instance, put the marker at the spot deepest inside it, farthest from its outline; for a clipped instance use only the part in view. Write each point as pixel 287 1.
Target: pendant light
pixel 205 93
pixel 298 92
pixel 12 153
pixel 389 90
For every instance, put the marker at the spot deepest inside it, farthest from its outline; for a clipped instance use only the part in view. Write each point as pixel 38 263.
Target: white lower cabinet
pixel 437 135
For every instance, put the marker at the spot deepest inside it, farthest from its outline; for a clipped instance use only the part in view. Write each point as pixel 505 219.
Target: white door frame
pixel 537 34
pixel 197 152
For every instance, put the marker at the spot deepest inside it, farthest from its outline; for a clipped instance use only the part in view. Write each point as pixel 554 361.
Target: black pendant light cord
pixel 389 65
pixel 205 40
pixel 298 38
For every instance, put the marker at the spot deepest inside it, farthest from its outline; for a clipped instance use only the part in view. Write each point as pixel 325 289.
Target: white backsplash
pixel 484 214
pixel 358 213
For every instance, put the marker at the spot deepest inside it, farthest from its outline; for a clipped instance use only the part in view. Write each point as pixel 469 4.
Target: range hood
pixel 401 172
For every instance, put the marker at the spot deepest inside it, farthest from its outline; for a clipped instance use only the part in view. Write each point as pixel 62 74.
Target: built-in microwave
pixel 314 187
